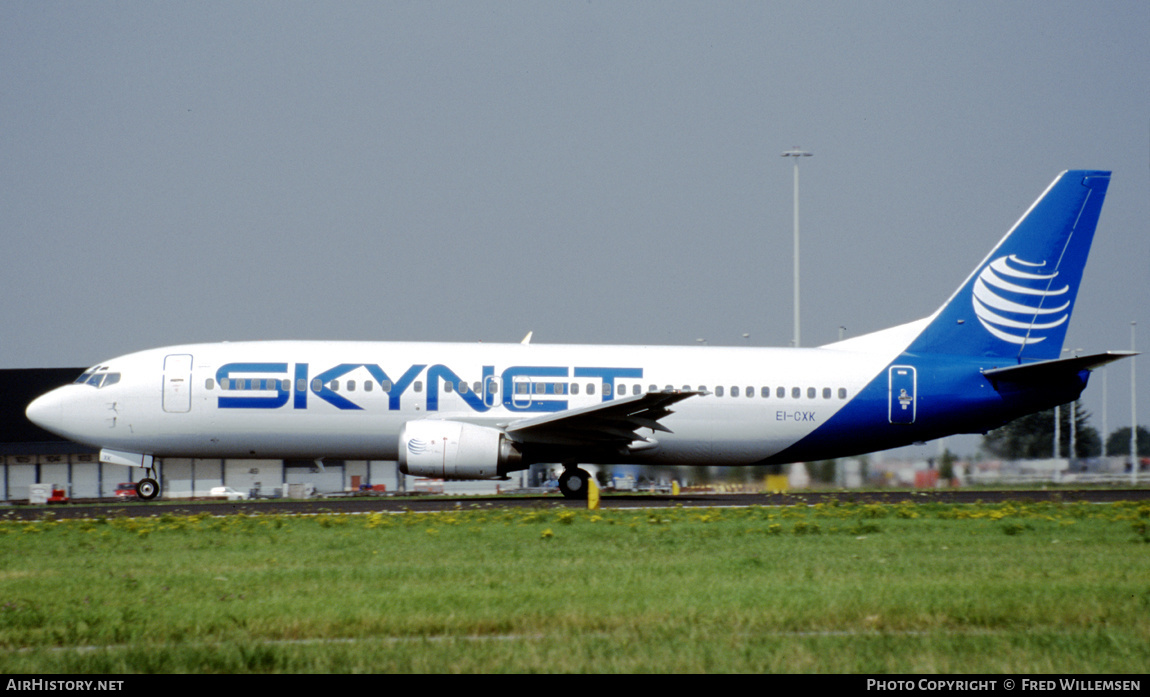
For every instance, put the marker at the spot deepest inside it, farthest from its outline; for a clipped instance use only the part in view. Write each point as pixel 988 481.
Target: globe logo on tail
pixel 1017 303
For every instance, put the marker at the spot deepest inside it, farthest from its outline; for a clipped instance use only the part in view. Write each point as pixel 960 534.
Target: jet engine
pixel 456 450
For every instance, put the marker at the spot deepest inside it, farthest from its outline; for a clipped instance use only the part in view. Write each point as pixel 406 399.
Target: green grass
pixel 1018 588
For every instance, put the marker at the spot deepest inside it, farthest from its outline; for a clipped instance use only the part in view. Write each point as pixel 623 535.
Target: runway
pixel 428 503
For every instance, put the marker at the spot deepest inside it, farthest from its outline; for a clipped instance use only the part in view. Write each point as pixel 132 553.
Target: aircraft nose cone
pixel 46 411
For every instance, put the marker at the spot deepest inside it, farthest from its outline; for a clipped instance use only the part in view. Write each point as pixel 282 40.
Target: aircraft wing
pixel 612 423
pixel 1044 371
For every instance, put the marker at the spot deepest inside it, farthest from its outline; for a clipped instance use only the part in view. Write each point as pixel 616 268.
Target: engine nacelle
pixel 456 450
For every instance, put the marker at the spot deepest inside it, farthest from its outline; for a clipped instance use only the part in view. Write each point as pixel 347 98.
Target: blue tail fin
pixel 1017 302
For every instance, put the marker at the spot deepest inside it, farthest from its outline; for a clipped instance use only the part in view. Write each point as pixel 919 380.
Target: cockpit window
pixel 97 379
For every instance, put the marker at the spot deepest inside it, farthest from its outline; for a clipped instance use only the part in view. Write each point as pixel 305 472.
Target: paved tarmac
pixel 422 503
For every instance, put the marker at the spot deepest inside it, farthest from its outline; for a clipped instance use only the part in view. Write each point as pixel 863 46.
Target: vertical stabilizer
pixel 1017 302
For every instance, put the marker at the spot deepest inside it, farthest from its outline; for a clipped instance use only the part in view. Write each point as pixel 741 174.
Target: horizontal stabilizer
pixel 1047 370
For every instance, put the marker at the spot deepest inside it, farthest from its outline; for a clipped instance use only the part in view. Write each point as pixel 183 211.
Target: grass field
pixel 1013 588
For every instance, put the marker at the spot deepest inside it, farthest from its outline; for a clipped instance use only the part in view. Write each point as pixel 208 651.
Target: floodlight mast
pixel 796 153
pixel 1133 409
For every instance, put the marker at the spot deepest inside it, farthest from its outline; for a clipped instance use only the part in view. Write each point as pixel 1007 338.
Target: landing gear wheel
pixel 147 489
pixel 574 483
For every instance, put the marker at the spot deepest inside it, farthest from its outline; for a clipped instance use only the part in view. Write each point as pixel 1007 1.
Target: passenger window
pixel 780 392
pixel 351 385
pixel 826 393
pixel 447 385
pixel 811 392
pixel 477 387
pixel 652 388
pixel 842 393
pixel 368 386
pixel 300 385
pixel 335 385
pixel 622 390
pixel 703 389
pixel 719 391
pixel 735 391
pixel 419 386
pixel 574 388
pixel 462 387
pixel 591 388
pixel 209 384
pixel 607 389
pixel 796 392
pixel 385 385
pixel 750 392
pixel 316 385
pixel 765 392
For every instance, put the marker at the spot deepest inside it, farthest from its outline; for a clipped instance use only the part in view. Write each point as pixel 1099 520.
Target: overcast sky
pixel 602 172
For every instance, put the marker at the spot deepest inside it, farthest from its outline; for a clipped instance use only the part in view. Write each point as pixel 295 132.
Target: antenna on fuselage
pixel 527 339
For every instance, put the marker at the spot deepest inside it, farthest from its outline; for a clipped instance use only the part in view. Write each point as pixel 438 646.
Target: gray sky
pixel 602 172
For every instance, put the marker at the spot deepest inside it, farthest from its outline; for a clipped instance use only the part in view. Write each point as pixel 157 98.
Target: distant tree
pixel 946 466
pixel 1032 436
pixel 823 471
pixel 1118 443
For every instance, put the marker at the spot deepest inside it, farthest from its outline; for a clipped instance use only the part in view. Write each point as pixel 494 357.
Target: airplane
pixel 991 353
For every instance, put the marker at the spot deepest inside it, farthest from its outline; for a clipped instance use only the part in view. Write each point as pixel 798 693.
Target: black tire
pixel 147 489
pixel 574 483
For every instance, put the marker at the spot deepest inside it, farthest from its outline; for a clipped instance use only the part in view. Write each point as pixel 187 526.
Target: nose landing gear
pixel 148 488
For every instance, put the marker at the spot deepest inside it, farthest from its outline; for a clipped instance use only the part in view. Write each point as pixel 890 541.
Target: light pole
pixel 1105 401
pixel 1070 458
pixel 1133 410
pixel 796 153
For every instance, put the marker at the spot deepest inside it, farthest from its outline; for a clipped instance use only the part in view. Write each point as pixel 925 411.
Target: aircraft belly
pixel 729 440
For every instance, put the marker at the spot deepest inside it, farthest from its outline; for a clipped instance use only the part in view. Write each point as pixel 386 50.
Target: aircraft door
pixel 521 387
pixel 901 403
pixel 178 383
pixel 490 391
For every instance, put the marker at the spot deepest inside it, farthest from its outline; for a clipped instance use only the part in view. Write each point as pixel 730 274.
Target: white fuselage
pixel 350 400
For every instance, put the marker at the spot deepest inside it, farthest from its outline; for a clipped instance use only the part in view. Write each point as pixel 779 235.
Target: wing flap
pixel 610 423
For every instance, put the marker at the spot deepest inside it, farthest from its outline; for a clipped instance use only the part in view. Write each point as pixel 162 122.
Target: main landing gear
pixel 574 483
pixel 148 488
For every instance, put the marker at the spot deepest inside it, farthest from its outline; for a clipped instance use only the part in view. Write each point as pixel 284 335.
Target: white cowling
pixel 455 450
